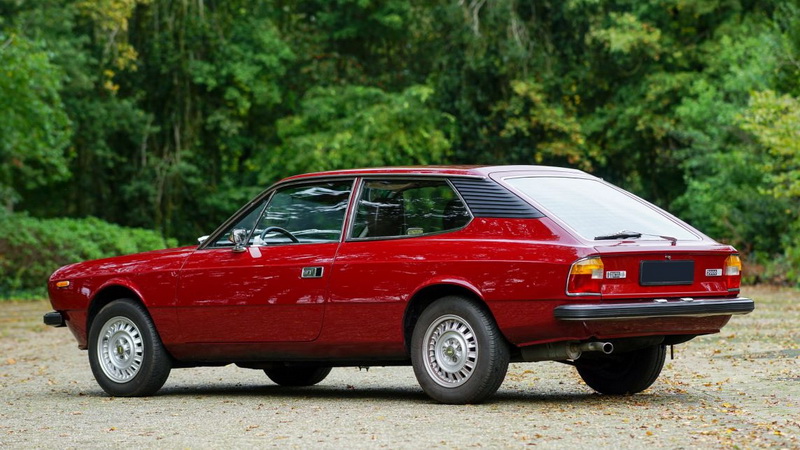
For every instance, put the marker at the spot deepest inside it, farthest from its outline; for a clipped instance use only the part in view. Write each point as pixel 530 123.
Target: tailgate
pixel 668 273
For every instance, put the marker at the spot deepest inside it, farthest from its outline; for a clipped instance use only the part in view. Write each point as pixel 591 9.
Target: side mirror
pixel 239 238
pixel 202 239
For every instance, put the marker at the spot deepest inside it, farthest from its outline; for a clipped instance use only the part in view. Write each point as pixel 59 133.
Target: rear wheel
pixel 297 376
pixel 458 353
pixel 625 373
pixel 125 352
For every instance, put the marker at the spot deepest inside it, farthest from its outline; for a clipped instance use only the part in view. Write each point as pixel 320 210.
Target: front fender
pixel 159 303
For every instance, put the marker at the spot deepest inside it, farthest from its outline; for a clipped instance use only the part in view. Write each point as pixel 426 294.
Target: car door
pixel 397 240
pixel 274 285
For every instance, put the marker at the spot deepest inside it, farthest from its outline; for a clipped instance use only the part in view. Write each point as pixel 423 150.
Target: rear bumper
pixel 660 308
pixel 54 319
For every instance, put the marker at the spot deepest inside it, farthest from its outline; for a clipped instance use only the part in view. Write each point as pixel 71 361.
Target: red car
pixel 454 270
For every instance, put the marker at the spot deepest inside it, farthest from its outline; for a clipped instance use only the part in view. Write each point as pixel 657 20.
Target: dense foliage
pixel 168 115
pixel 30 248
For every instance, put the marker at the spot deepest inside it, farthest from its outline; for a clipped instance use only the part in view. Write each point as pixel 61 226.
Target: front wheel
pixel 626 373
pixel 458 353
pixel 125 352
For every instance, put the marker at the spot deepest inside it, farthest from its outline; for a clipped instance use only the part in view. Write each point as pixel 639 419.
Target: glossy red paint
pixel 216 305
pixel 149 277
pixel 253 296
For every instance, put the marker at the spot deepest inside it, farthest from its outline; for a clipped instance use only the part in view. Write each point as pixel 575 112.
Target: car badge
pixel 311 272
pixel 616 274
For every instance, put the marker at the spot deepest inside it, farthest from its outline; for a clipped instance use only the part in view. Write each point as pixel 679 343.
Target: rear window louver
pixel 485 198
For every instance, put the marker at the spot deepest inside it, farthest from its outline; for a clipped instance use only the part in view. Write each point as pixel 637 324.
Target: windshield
pixel 596 210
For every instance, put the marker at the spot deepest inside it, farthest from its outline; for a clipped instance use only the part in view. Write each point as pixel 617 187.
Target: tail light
pixel 585 277
pixel 733 272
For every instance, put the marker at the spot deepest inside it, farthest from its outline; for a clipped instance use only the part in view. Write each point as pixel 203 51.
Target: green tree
pixel 356 126
pixel 774 120
pixel 168 115
pixel 212 79
pixel 35 131
pixel 722 165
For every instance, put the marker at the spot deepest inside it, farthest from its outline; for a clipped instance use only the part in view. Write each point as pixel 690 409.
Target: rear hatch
pixel 655 270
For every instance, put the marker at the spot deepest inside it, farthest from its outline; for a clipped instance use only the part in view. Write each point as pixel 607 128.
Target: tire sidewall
pixel 150 376
pixel 492 361
pixel 637 372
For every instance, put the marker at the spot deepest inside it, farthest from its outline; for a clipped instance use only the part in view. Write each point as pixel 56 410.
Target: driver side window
pixel 309 213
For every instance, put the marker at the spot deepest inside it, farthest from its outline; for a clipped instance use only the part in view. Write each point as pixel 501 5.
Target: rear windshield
pixel 594 209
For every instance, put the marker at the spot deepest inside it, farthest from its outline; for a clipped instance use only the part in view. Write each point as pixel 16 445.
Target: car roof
pixel 464 171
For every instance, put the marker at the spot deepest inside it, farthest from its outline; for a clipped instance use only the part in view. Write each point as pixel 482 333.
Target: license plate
pixel 666 273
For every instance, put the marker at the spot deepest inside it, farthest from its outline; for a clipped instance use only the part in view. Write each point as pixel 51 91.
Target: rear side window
pixel 595 209
pixel 396 207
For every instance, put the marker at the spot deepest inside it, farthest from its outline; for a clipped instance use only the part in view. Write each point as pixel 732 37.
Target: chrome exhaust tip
pixel 605 347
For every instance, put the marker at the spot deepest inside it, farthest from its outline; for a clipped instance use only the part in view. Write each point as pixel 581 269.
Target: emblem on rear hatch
pixel 713 272
pixel 616 274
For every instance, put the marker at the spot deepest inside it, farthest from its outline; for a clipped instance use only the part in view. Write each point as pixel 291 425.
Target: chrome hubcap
pixel 451 350
pixel 120 349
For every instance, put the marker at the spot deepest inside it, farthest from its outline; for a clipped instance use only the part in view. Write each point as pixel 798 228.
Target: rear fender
pixel 432 290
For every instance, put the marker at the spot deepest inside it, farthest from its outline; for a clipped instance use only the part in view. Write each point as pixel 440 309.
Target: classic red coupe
pixel 456 271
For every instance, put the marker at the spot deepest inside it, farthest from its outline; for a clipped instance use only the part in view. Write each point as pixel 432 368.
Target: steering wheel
pixel 280 230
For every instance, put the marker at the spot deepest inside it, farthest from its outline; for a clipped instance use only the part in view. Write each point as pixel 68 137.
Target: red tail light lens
pixel 733 272
pixel 586 277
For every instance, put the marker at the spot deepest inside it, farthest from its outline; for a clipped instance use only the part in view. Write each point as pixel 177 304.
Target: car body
pixel 453 270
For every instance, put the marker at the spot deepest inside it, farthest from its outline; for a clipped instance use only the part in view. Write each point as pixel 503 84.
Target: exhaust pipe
pixel 605 347
pixel 561 351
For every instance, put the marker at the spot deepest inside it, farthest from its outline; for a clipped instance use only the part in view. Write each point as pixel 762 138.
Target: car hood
pixel 156 260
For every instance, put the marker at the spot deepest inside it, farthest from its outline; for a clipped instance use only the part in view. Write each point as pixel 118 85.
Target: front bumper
pixel 54 319
pixel 659 308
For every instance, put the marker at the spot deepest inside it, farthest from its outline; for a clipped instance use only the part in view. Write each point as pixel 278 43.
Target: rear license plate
pixel 666 273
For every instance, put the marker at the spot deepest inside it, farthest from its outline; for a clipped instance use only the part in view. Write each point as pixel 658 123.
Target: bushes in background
pixel 31 249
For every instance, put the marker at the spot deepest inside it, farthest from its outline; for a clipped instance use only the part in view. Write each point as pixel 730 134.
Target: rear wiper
pixel 634 234
pixel 619 235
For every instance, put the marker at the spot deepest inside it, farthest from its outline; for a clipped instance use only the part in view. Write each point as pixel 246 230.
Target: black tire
pixel 457 351
pixel 626 373
pixel 125 352
pixel 297 376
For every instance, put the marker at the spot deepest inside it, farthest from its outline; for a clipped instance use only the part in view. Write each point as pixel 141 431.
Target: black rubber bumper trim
pixel 672 308
pixel 54 319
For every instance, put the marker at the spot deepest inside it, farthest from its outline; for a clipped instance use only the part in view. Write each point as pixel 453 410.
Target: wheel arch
pixel 107 294
pixel 425 296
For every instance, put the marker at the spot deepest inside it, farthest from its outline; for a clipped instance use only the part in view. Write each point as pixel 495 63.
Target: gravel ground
pixel 739 388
